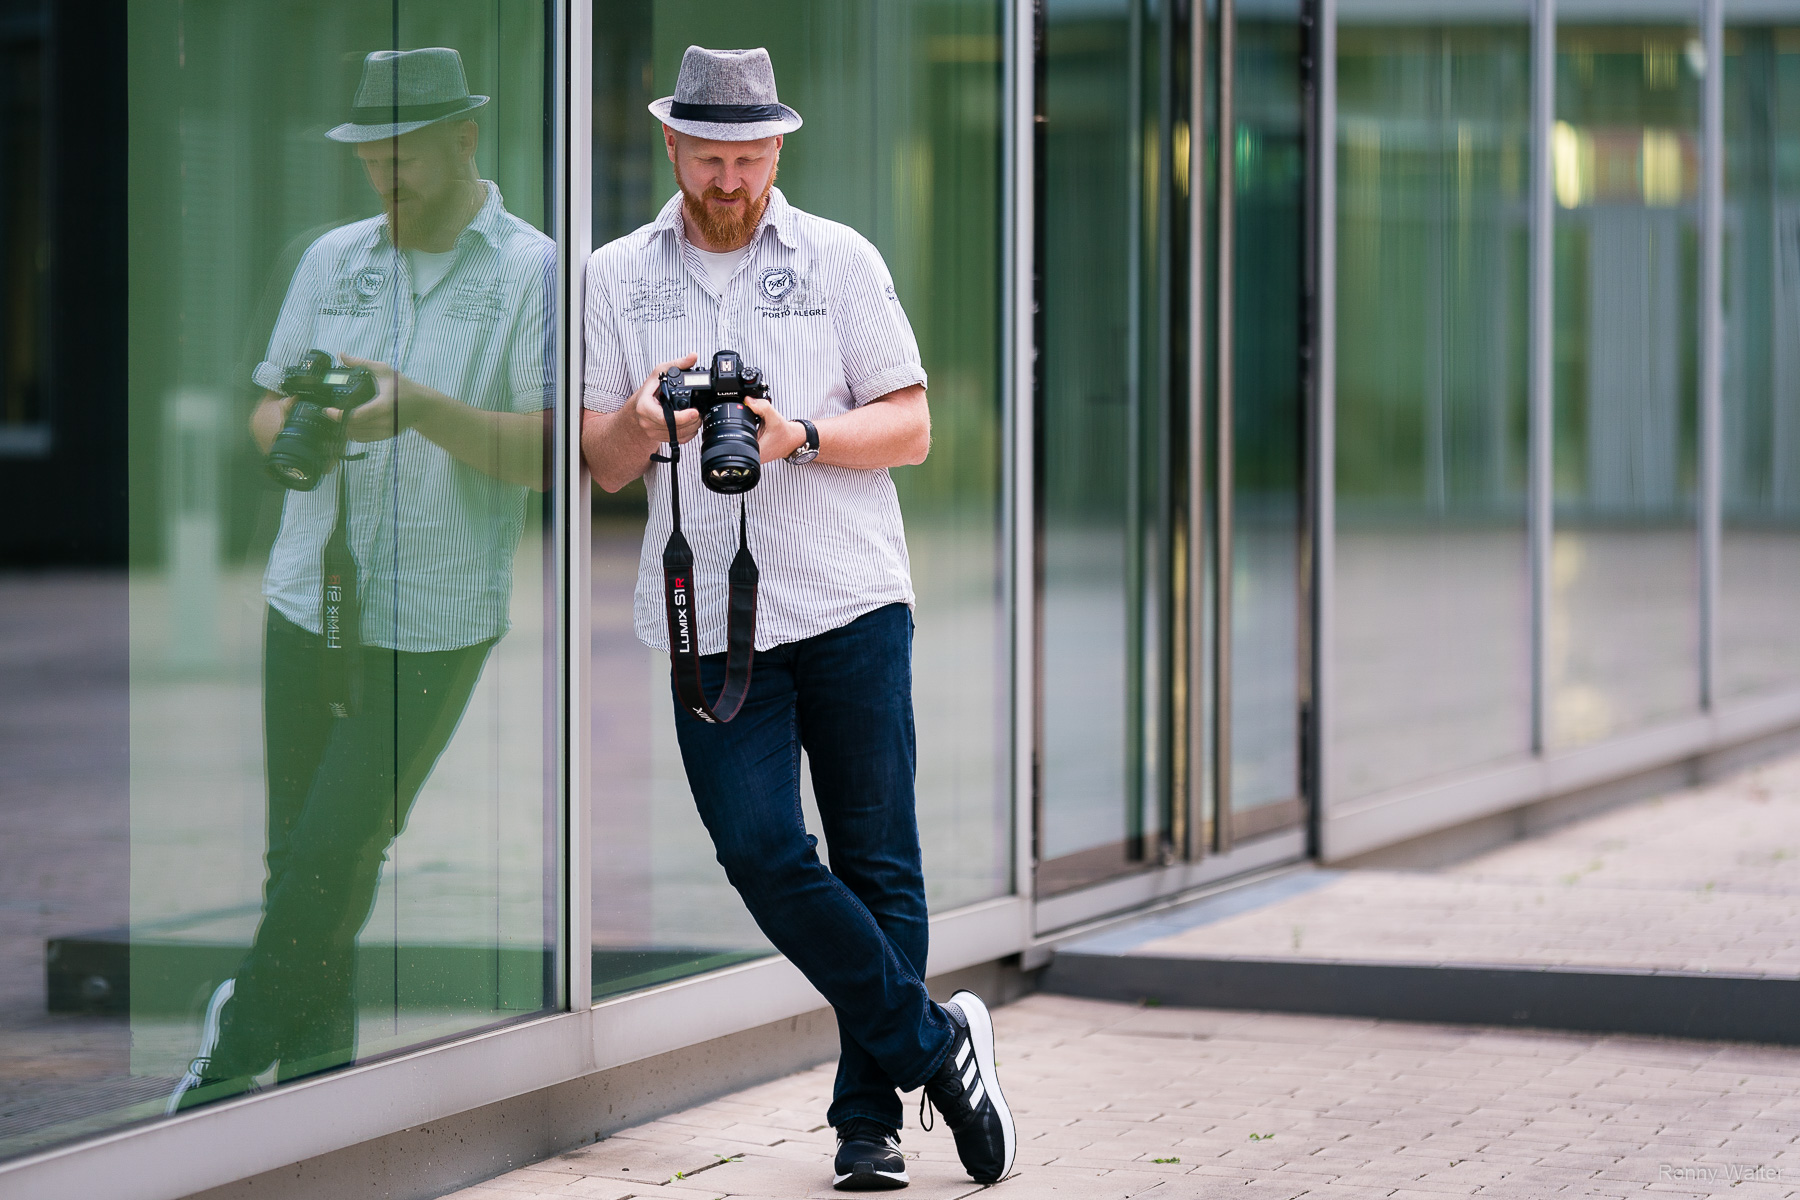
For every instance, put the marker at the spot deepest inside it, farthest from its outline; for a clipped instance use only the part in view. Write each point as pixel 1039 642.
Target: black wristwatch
pixel 809 450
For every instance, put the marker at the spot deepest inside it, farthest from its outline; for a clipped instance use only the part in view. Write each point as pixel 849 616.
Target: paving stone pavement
pixel 1118 1101
pixel 1706 879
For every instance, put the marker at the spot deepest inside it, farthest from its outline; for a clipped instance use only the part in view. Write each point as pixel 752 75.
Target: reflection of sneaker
pixel 868 1158
pixel 199 1085
pixel 966 1090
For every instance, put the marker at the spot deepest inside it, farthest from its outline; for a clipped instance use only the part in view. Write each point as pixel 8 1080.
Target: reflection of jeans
pixel 339 793
pixel 857 931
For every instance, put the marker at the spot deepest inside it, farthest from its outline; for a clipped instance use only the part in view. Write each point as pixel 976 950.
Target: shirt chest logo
pixel 651 300
pixel 476 300
pixel 353 295
pixel 775 283
pixel 786 292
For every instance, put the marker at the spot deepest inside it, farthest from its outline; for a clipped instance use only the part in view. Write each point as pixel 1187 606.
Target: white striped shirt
pixel 813 307
pixel 433 537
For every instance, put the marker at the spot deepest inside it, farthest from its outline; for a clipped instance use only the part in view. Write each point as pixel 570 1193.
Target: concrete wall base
pixel 1459 842
pixel 430 1160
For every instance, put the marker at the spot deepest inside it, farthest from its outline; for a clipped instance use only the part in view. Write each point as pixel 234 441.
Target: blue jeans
pixel 858 930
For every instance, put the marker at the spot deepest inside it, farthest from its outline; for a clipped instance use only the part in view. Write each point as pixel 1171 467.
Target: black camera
pixel 311 442
pixel 730 459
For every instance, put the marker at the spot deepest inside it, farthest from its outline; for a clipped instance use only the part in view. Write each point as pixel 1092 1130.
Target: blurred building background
pixel 1360 425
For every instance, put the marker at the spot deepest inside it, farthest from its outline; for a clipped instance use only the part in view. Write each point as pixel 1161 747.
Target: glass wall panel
pixel 276 787
pixel 1759 650
pixel 1624 618
pixel 1433 666
pixel 902 142
pixel 1268 145
pixel 1112 433
pixel 1089 406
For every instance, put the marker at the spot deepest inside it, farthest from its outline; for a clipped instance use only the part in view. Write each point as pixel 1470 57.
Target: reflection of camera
pixel 730 459
pixel 311 442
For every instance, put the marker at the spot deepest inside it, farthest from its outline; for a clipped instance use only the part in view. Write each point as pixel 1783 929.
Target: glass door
pixel 1259 449
pixel 1110 446
pixel 1161 691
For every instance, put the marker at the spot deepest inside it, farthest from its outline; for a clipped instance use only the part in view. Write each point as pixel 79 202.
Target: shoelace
pixel 925 1118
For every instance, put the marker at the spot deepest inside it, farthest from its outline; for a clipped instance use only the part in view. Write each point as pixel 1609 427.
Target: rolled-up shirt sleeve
pixel 607 384
pixel 293 333
pixel 880 353
pixel 531 350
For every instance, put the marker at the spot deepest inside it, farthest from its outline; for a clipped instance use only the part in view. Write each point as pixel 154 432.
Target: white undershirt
pixel 428 268
pixel 721 267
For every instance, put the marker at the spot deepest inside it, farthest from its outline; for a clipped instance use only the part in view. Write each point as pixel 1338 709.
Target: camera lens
pixel 308 444
pixel 730 459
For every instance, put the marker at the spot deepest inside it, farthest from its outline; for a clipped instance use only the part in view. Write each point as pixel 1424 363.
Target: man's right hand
pixel 647 410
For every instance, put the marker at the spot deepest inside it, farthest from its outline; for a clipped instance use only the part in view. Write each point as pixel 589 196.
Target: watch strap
pixel 809 450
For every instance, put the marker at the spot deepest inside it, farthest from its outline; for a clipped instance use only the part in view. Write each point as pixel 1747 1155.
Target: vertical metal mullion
pixel 1325 459
pixel 575 119
pixel 1540 514
pixel 1192 845
pixel 1319 450
pixel 1024 516
pixel 1169 643
pixel 1712 217
pixel 1222 431
pixel 1136 639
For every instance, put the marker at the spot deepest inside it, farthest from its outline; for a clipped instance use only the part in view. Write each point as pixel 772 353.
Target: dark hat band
pixel 391 114
pixel 726 114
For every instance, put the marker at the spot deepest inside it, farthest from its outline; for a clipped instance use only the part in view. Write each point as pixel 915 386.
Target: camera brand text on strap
pixel 678 598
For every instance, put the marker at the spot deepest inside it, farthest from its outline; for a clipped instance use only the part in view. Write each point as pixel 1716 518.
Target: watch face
pixel 803 455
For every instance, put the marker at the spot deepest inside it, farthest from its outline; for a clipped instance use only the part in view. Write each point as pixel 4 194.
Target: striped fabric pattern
pixel 433 538
pixel 813 307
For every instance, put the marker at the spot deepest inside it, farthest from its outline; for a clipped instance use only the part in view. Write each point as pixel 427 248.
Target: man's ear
pixel 669 141
pixel 467 138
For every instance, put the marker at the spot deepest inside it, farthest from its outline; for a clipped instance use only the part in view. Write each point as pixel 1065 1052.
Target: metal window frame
pixel 577 70
pixel 1712 342
pixel 1540 426
pixel 1023 589
pixel 1325 425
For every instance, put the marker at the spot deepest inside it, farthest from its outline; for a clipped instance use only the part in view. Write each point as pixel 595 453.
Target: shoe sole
pixel 870 1181
pixel 981 1034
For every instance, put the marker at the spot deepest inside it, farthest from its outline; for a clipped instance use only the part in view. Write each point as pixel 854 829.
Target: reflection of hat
pixel 726 96
pixel 404 90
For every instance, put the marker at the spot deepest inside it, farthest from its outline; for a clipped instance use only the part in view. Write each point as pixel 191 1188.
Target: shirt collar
pixel 489 222
pixel 778 215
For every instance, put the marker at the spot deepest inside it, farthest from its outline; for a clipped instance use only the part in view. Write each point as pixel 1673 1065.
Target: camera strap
pixel 340 615
pixel 678 602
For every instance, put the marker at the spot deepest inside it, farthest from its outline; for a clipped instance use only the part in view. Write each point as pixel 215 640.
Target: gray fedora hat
pixel 404 90
pixel 725 96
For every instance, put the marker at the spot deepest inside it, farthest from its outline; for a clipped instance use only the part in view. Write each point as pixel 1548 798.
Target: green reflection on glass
pixel 1433 669
pixel 1624 613
pixel 343 809
pixel 1268 300
pixel 1760 475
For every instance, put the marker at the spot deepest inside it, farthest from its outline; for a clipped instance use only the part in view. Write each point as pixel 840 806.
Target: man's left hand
pixel 778 437
pixel 392 410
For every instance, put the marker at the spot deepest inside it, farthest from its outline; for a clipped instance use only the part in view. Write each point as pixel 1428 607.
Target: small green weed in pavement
pixel 1261 1137
pixel 1165 1160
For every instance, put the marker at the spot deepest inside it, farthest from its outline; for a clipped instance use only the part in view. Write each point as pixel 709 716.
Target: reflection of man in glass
pixel 444 299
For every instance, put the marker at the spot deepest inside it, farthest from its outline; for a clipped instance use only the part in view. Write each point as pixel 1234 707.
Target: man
pixel 444 298
pixel 730 265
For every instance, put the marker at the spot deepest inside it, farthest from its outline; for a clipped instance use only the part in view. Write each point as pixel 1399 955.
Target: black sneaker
pixel 200 1085
pixel 868 1158
pixel 966 1089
